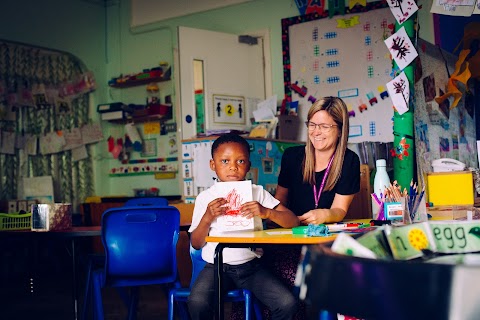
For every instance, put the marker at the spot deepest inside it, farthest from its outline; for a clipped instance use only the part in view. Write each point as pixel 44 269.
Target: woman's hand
pixel 317 216
pixel 253 208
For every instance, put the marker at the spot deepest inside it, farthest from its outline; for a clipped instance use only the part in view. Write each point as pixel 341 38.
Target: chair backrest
pixel 197 263
pixel 140 244
pixel 147 201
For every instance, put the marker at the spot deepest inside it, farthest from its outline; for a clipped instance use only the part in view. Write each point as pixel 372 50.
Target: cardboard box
pixel 288 127
pixel 450 188
pixel 51 217
pixel 453 212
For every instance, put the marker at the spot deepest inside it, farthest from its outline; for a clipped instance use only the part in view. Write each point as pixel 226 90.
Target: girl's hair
pixel 337 109
pixel 230 138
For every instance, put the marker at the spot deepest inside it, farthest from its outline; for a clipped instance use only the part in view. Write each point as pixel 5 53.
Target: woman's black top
pixel 300 194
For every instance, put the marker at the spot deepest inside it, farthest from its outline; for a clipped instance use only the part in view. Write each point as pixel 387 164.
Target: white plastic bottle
pixel 380 182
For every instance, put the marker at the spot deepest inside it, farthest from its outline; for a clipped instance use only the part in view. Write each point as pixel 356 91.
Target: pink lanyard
pixel 316 195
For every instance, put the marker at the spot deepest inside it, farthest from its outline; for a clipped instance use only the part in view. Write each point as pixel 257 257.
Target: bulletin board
pixel 441 132
pixel 343 56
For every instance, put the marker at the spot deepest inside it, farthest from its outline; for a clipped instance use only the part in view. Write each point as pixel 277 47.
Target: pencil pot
pixel 51 217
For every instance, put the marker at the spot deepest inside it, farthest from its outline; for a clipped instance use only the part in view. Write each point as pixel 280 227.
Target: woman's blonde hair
pixel 337 109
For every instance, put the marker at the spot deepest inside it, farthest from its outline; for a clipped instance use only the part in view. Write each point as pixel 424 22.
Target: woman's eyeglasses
pixel 323 127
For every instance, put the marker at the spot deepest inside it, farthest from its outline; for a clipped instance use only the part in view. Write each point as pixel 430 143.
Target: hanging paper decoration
pixel 402 9
pixel 401 48
pixel 353 3
pixel 335 7
pixel 460 75
pixel 302 6
pixel 399 90
pixel 316 6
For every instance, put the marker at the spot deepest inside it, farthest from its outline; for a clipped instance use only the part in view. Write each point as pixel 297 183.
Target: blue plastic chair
pixel 237 295
pixel 140 249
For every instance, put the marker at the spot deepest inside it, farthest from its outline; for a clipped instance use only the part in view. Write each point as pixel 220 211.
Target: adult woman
pixel 318 182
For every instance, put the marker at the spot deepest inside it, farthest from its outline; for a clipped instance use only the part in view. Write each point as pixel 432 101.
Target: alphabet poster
pixel 344 56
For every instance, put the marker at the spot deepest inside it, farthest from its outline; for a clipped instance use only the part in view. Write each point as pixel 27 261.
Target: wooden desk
pixel 249 238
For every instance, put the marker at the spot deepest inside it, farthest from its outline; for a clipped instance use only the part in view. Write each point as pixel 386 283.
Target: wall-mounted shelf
pixel 141 119
pixel 138 82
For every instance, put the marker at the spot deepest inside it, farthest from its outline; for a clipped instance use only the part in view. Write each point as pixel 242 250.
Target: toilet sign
pixel 228 109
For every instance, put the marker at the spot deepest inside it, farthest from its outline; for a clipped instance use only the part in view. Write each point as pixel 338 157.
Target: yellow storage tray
pixel 12 221
pixel 450 188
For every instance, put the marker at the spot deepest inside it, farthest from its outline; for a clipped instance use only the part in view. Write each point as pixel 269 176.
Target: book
pixel 113 115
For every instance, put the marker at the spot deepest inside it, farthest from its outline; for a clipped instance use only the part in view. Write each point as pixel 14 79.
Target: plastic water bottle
pixel 380 182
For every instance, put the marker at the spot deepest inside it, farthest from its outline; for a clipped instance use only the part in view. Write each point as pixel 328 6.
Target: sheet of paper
pixel 402 10
pixel 399 91
pixel 236 193
pixel 451 10
pixel 401 48
pixel 263 113
pixel 270 103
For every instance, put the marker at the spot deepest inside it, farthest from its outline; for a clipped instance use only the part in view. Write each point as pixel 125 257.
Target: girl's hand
pixel 215 208
pixel 313 216
pixel 253 208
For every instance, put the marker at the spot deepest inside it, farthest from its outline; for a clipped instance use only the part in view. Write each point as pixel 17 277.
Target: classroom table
pixel 69 234
pixel 252 238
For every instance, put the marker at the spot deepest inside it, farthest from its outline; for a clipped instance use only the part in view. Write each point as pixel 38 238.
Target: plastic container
pixel 381 181
pixel 14 221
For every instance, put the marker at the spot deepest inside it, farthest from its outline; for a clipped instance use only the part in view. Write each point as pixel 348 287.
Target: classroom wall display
pixel 265 158
pixel 441 132
pixel 344 56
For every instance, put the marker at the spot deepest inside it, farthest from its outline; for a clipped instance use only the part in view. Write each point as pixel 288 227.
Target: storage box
pixel 288 127
pixel 51 217
pixel 454 213
pixel 450 188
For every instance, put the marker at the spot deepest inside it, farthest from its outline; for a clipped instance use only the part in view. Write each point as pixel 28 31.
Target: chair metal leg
pixel 87 296
pixel 132 306
pixel 171 304
pixel 97 294
pixel 248 306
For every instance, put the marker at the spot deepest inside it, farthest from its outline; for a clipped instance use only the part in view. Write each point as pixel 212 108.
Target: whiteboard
pixel 344 56
pixel 149 11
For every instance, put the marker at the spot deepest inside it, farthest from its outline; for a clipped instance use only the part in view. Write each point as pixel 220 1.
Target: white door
pixel 233 79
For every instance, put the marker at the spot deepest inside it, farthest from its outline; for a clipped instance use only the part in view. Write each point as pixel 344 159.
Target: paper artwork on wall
pixel 73 139
pixel 402 9
pixel 52 142
pixel 31 144
pixel 399 90
pixel 91 133
pixel 401 48
pixel 38 188
pixel 451 9
pixel 79 153
pixel 8 142
pixel 236 193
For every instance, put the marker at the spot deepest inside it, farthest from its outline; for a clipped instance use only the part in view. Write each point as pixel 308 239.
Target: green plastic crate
pixel 12 221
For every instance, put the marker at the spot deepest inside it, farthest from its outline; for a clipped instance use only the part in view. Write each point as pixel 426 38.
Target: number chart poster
pixel 342 56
